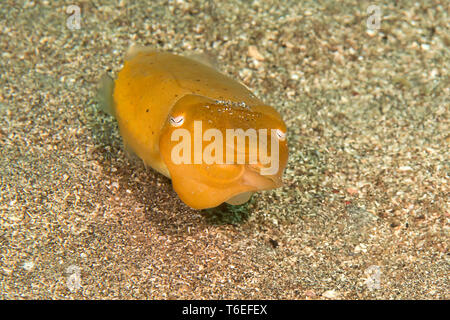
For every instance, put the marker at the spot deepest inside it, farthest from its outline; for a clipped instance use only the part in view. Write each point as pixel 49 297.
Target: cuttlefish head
pixel 222 151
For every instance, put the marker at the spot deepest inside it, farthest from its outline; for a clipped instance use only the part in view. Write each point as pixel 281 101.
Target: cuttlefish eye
pixel 281 135
pixel 177 121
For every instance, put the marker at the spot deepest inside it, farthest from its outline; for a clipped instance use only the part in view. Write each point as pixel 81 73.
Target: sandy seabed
pixel 364 211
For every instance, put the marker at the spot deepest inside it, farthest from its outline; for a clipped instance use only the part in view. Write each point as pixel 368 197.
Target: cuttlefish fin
pixel 129 153
pixel 240 198
pixel 106 103
pixel 135 49
pixel 105 95
pixel 203 58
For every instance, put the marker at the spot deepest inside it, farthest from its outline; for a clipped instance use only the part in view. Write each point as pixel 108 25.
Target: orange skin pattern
pixel 154 86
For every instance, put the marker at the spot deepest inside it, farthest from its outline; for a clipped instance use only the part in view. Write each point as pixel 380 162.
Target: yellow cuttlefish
pixel 161 98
